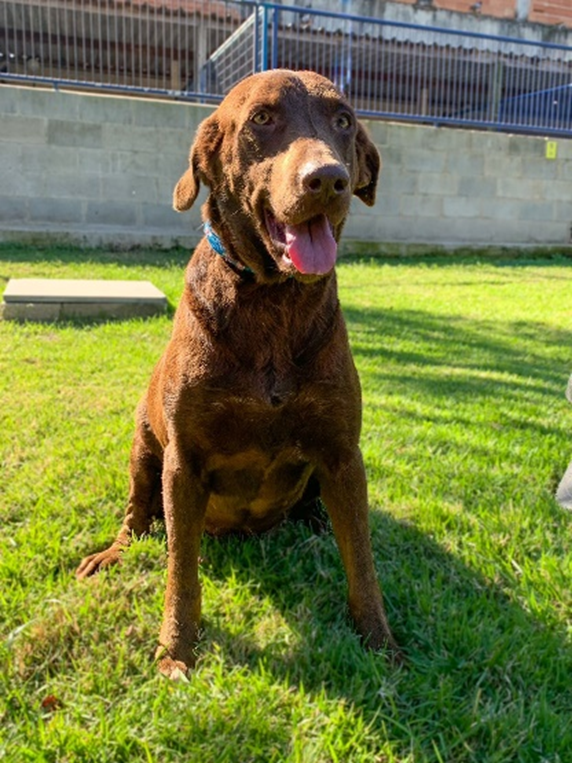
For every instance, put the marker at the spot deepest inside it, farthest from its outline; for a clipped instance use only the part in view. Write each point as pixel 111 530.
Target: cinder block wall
pixel 92 168
pixel 100 170
pixel 460 187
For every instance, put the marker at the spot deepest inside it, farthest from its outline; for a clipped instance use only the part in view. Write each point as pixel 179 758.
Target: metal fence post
pixel 256 43
pixel 264 41
pixel 275 27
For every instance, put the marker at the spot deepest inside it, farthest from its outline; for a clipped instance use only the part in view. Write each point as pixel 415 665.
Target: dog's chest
pixel 276 389
pixel 267 418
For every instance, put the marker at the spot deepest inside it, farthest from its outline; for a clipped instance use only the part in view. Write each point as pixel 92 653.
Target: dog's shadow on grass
pixel 476 663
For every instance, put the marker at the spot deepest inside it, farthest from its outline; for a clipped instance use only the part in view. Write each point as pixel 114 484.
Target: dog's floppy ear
pixel 368 167
pixel 201 164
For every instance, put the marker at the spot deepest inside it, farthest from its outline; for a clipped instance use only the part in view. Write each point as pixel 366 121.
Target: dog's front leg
pixel 184 504
pixel 344 491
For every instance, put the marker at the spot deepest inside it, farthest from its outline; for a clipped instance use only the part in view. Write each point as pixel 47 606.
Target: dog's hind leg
pixel 145 499
pixel 310 510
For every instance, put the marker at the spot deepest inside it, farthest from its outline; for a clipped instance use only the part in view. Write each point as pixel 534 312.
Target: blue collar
pixel 218 247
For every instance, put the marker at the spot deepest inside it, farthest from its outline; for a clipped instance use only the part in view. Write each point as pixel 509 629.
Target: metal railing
pixel 154 47
pixel 194 50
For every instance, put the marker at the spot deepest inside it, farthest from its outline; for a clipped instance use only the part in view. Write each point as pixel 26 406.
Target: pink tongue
pixel 311 246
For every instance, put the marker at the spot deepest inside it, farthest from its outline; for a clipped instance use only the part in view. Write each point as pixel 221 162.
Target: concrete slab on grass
pixel 47 299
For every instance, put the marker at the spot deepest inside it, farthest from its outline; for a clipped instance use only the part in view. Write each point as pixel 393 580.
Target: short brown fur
pixel 256 401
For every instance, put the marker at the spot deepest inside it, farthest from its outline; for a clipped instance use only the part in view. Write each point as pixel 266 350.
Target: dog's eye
pixel 343 121
pixel 261 117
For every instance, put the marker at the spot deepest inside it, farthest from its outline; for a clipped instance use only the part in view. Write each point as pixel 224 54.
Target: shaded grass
pixel 466 432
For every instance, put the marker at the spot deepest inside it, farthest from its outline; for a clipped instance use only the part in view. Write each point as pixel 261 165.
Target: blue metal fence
pixel 197 50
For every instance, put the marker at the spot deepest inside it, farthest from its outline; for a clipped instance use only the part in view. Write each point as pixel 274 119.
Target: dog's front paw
pixel 170 667
pixel 382 639
pixel 95 562
pixel 371 623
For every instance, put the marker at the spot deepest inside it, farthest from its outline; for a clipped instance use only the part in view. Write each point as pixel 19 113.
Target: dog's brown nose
pixel 327 180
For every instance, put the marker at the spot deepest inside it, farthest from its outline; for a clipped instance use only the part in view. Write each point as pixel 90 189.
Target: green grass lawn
pixel 466 434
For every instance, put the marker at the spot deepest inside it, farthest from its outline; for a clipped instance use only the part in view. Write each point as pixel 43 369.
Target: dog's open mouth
pixel 309 246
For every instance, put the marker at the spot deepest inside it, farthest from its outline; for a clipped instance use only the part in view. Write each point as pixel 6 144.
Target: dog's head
pixel 282 156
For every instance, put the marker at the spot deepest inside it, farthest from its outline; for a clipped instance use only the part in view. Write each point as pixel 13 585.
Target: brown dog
pixel 255 405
